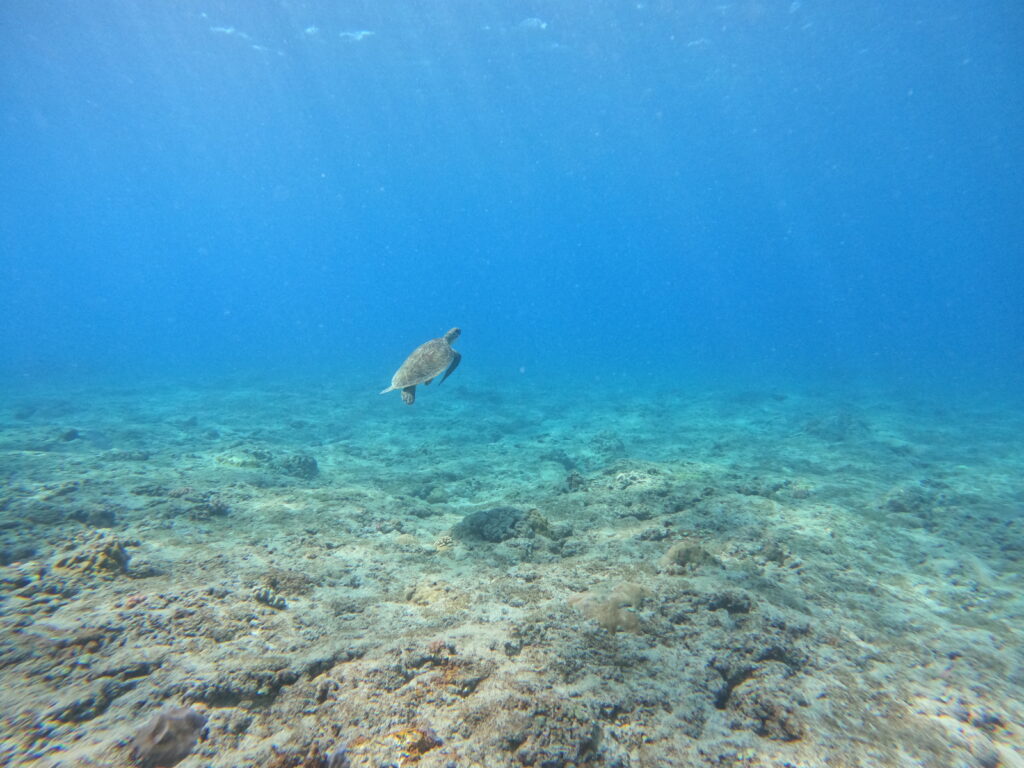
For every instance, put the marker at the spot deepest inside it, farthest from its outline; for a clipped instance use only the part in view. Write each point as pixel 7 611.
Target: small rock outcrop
pixel 168 738
pixel 500 524
pixel 105 555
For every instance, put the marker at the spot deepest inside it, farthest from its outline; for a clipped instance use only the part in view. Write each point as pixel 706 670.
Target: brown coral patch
pixel 406 746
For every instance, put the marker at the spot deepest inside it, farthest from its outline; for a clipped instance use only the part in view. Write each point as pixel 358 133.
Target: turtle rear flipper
pixel 455 364
pixel 409 395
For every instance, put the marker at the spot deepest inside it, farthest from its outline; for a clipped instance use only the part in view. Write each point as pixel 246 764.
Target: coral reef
pixel 759 579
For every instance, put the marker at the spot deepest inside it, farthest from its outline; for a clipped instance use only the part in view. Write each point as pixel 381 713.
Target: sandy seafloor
pixel 511 575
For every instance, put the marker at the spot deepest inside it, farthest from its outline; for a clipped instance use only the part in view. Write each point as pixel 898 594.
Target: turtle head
pixel 452 335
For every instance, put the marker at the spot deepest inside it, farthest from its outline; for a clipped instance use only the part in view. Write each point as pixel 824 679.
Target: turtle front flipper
pixel 452 367
pixel 409 395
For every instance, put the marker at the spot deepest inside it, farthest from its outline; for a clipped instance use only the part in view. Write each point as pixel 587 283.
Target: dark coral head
pixel 168 738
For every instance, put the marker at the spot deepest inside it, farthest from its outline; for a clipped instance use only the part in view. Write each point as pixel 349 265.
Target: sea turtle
pixel 426 361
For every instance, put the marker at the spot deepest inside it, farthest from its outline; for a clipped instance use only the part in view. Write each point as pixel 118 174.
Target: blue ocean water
pixel 731 470
pixel 641 191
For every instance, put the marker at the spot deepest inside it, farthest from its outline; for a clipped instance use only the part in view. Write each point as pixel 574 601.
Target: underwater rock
pixel 773 552
pixel 102 555
pixel 44 513
pixel 250 679
pixel 762 699
pixel 633 476
pixel 634 489
pixel 761 680
pixel 616 610
pixel 116 455
pixel 168 738
pixel 208 506
pixel 246 458
pixel 432 592
pixel 416 742
pixel 910 500
pixel 53 491
pixel 458 675
pixel 500 524
pixel 16 552
pixel 685 556
pixel 38 589
pixel 560 457
pixel 92 704
pixel 536 730
pixel 269 598
pixel 203 504
pixel 759 486
pixel 299 465
pixel 434 494
pixel 733 601
pixel 288 581
pixel 574 481
pixel 838 427
pixel 606 447
pixel 96 517
pixel 307 755
pixel 405 746
pixel 150 490
pixel 654 533
pixel 424 512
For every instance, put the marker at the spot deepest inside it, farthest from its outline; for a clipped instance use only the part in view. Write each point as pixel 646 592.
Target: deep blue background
pixel 660 190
